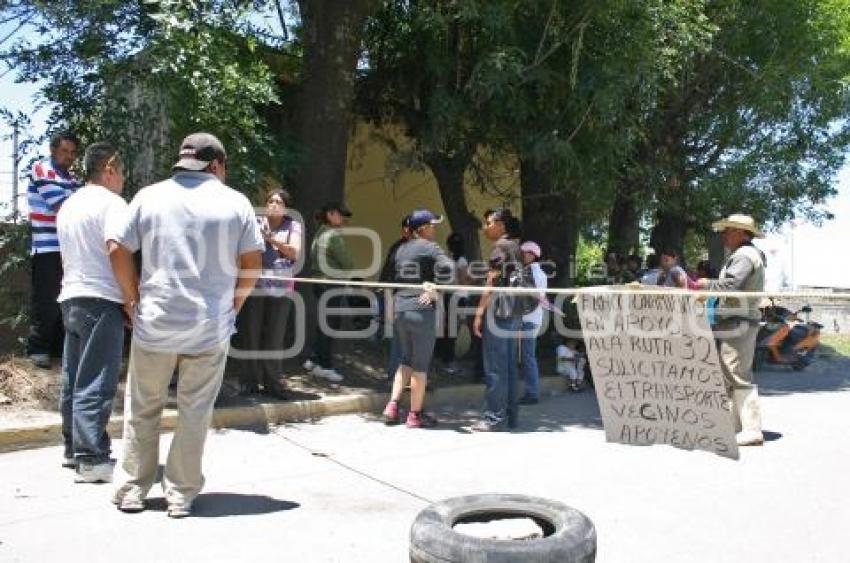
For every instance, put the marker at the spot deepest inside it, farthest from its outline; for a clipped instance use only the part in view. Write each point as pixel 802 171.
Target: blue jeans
pixel 94 341
pixel 528 365
pixel 499 345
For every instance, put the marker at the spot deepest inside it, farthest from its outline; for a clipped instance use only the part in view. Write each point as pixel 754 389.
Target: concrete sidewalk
pixel 46 428
pixel 347 488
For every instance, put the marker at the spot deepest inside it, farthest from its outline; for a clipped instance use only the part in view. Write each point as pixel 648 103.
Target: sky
pixel 14 97
pixel 807 255
pixel 802 255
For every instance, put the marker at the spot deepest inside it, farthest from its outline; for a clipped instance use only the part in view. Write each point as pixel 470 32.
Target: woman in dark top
pixel 415 322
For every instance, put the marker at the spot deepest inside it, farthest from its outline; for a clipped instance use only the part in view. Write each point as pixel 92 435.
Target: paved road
pixel 347 488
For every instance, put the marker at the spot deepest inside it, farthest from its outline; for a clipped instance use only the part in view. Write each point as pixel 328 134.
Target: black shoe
pixel 275 390
pixel 246 389
pixel 528 400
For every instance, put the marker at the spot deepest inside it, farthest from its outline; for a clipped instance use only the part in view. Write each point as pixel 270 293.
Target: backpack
pixel 518 304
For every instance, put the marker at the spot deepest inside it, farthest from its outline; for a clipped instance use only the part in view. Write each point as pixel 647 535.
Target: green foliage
pixel 834 346
pixel 580 74
pixel 589 262
pixel 758 121
pixel 555 82
pixel 419 63
pixel 699 108
pixel 143 74
pixel 14 274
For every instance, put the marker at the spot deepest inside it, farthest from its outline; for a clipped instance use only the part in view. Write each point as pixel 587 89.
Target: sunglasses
pixel 110 164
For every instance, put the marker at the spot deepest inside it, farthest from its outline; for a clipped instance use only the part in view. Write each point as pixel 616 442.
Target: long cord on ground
pixel 332 459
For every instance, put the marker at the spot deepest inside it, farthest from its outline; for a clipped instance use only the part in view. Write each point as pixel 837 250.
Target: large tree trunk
pixel 624 221
pixel 551 219
pixel 669 233
pixel 671 219
pixel 332 33
pixel 449 173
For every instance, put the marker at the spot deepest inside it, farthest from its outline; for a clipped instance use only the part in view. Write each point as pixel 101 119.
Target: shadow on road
pixel 821 376
pixel 219 505
pixel 580 410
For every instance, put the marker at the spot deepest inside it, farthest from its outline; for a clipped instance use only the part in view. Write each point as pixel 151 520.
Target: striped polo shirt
pixel 48 188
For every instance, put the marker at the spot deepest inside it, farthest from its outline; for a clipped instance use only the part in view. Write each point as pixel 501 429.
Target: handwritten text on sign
pixel 655 366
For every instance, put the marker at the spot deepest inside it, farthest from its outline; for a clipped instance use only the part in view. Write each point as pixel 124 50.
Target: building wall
pixel 378 198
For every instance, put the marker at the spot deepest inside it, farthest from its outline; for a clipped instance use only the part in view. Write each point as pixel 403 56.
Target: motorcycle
pixel 785 338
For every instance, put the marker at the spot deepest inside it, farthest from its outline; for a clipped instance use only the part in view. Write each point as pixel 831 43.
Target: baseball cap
pixel 334 206
pixel 422 217
pixel 531 246
pixel 198 150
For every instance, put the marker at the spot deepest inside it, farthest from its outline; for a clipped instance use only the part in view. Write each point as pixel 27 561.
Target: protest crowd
pixel 211 265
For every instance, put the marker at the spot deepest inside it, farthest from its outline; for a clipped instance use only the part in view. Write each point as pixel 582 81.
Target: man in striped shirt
pixel 51 182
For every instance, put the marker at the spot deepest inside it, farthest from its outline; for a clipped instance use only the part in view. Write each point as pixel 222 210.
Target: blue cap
pixel 422 217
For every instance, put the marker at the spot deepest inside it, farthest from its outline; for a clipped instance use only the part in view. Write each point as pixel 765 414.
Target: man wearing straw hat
pixel 737 322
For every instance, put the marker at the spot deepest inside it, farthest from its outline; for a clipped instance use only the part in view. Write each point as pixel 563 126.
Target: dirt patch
pixel 23 387
pixel 29 395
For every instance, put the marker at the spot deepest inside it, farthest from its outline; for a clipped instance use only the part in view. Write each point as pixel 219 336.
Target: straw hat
pixel 738 221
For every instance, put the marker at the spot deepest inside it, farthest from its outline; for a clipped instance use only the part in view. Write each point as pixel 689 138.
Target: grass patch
pixel 834 346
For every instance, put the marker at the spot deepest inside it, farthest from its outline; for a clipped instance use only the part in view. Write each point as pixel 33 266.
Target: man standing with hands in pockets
pixel 201 256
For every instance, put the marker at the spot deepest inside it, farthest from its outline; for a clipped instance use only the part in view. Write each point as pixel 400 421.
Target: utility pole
pixel 15 159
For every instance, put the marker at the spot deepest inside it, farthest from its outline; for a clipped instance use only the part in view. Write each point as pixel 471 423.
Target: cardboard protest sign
pixel 656 371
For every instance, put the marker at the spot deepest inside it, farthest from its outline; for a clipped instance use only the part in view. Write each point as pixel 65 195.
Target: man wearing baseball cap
pixel 201 255
pixel 737 322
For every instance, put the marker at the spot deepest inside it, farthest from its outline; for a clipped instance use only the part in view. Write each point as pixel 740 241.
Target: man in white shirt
pixel 531 324
pixel 91 303
pixel 201 256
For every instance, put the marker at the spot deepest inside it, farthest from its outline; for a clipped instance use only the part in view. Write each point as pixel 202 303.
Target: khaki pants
pixel 148 377
pixel 736 344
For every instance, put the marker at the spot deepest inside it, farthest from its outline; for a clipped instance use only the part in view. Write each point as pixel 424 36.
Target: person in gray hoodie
pixel 737 321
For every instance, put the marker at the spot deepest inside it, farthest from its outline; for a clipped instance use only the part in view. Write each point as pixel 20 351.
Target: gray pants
pixel 148 377
pixel 736 345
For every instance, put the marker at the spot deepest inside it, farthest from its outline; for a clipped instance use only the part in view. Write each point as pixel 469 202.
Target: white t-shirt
pixel 191 230
pixel 86 220
pixel 540 281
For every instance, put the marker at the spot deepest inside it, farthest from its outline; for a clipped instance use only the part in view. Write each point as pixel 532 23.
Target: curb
pixel 38 436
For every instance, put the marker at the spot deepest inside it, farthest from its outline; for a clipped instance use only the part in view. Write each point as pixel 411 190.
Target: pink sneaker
pixel 391 415
pixel 420 420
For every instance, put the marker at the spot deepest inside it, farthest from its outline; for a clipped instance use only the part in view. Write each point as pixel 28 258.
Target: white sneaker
pixel 309 365
pixel 94 473
pixel 749 438
pixel 329 374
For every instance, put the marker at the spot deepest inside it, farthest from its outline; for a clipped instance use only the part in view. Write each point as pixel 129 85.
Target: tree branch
pixel 282 20
pixel 12 33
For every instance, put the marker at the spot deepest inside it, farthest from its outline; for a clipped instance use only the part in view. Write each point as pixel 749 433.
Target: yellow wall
pixel 378 198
